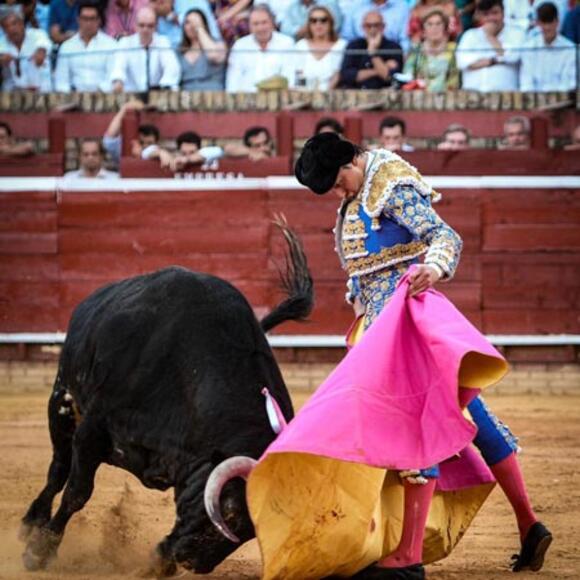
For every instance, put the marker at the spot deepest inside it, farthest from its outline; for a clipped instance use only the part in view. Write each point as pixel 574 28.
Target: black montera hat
pixel 321 159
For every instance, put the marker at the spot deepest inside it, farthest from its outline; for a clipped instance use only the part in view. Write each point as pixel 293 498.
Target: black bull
pixel 161 375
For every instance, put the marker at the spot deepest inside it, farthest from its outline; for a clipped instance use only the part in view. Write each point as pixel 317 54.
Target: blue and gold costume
pixel 379 234
pixel 387 227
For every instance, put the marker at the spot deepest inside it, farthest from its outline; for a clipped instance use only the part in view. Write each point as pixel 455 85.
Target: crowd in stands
pixel 94 154
pixel 245 45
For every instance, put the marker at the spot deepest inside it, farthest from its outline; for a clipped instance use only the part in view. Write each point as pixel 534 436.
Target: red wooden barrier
pixel 44 165
pixel 131 167
pixel 29 272
pixel 519 269
pixel 226 125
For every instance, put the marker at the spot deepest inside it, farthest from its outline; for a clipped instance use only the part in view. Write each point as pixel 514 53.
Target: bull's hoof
pixel 25 531
pixel 160 566
pixel 41 548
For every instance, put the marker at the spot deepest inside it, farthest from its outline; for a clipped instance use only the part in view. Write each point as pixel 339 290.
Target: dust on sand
pixel 114 534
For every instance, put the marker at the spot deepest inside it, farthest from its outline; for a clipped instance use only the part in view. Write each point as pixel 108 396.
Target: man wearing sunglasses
pixel 145 60
pixel 295 20
pixel 371 61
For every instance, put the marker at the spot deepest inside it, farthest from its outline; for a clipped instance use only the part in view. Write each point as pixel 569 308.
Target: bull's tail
pixel 295 280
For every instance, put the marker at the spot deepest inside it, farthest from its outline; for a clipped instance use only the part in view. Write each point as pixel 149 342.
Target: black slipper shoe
pixel 414 572
pixel 534 548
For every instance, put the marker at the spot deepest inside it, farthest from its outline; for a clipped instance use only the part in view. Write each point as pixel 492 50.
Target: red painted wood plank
pixel 526 321
pixel 31 293
pixel 97 266
pixel 163 241
pixel 28 243
pixel 27 220
pixel 29 267
pixel 531 238
pixel 165 209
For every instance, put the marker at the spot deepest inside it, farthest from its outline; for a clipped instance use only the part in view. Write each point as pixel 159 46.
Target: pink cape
pixel 392 402
pixel 323 498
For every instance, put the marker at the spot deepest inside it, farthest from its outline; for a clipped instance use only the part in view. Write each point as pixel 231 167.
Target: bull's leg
pixel 90 447
pixel 62 427
pixel 195 543
pixel 165 558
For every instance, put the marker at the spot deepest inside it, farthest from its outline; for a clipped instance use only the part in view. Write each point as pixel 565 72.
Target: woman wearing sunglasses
pixel 319 54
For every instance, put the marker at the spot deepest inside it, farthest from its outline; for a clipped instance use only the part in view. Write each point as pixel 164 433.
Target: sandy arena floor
pixel 112 536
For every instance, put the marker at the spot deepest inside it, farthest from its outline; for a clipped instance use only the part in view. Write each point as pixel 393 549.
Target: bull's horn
pixel 239 466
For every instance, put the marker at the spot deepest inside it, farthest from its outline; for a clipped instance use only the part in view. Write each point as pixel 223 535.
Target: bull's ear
pixel 217 457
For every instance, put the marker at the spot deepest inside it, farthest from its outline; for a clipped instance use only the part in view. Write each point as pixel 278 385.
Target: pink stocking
pixel 410 548
pixel 508 474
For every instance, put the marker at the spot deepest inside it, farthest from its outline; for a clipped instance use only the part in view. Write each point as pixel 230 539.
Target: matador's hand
pixel 422 278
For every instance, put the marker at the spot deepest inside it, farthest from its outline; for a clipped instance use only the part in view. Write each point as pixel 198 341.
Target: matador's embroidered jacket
pixel 385 229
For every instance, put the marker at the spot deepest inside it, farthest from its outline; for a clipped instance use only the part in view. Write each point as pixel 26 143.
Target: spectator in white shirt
pixel 522 13
pixel 145 60
pixel 190 151
pixel 85 61
pixel 516 134
pixel 489 56
pixel 549 59
pixel 91 160
pixel 257 144
pixel 263 54
pixel 319 55
pixel 574 144
pixel 23 54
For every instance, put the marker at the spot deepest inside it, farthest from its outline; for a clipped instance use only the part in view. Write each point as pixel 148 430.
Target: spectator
pixel 374 68
pixel 571 27
pixel 425 7
pixel 549 59
pixel 319 56
pixel 257 145
pixel 201 57
pixel 167 20
pixel 121 17
pixel 466 10
pixel 455 138
pixel 295 22
pixel 278 8
pixel 9 147
pixel 190 151
pixel 63 20
pixel 392 132
pixel 232 18
pixel 522 13
pixel 85 61
pixel 394 12
pixel 182 7
pixel 329 125
pixel 516 134
pixel 574 144
pixel 146 146
pixel 145 60
pixel 91 162
pixel 433 61
pixel 23 54
pixel 489 55
pixel 261 55
pixel 35 14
